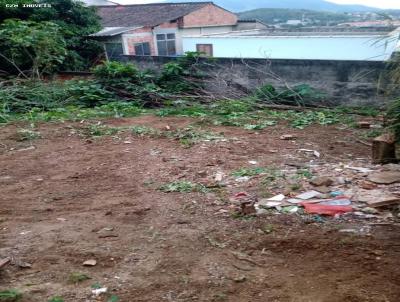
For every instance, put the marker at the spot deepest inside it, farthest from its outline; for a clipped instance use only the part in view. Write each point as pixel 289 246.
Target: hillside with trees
pixel 278 15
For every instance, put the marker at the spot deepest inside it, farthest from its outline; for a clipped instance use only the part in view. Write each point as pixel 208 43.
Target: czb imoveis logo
pixel 23 3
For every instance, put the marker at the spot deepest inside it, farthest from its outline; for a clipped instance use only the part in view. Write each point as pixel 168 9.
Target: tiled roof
pixel 145 14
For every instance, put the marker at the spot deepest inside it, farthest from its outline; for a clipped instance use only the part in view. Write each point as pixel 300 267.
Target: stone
pixel 369 210
pixel 323 189
pixel 384 201
pixel 367 185
pixel 364 124
pixel 321 181
pixel 91 262
pixel 385 177
pixel 219 176
pixel 287 137
pixel 340 180
pixel 377 198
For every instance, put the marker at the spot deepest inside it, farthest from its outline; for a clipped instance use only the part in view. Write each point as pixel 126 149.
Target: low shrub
pixel 88 93
pixel 21 96
pixel 302 94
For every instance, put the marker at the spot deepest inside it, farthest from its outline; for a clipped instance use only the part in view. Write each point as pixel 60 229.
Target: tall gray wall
pixel 343 82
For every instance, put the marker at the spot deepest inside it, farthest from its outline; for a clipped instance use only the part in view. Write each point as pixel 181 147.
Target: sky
pixel 374 3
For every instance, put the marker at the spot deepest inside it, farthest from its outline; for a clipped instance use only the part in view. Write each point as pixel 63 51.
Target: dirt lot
pixel 71 199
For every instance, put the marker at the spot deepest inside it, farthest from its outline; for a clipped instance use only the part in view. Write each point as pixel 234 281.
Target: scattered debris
pixel 384 149
pixel 330 210
pixel 287 137
pixel 359 169
pixel 364 124
pixel 385 177
pixel 243 179
pixel 26 149
pixel 241 194
pixel 4 262
pixel 22 264
pixel 240 279
pixel 384 201
pixel 266 203
pixel 295 200
pixel 308 195
pixel 321 181
pixel 337 202
pixel 279 197
pixel 367 185
pixel 98 291
pixel 90 262
pixel 323 189
pixel 219 176
pixel 316 153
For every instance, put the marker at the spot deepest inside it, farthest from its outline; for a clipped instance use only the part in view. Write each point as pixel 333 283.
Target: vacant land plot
pixel 138 195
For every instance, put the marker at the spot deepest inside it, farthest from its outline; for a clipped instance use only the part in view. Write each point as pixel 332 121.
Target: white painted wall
pixel 372 48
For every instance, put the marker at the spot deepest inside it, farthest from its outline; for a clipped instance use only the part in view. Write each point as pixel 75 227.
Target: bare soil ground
pixel 71 199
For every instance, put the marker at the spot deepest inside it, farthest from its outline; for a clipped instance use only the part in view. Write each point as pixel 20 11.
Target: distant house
pixel 294 22
pixel 157 29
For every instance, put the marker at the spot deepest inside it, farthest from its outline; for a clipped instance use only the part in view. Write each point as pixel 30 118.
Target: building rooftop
pixel 307 32
pixel 112 31
pixel 151 14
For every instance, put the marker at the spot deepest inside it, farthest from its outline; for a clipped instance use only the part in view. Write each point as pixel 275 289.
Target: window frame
pixel 198 45
pixel 141 45
pixel 164 46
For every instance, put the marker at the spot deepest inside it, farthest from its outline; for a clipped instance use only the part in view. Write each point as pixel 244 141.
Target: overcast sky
pixel 375 3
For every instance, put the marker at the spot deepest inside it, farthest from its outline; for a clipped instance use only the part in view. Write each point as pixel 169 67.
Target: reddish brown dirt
pixel 175 246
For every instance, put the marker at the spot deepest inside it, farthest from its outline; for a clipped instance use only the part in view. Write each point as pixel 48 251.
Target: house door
pixel 205 49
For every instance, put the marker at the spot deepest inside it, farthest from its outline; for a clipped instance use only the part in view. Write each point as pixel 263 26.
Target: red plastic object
pixel 241 194
pixel 326 209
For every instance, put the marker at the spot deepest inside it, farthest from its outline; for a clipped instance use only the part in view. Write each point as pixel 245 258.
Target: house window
pixel 166 44
pixel 205 49
pixel 142 49
pixel 114 50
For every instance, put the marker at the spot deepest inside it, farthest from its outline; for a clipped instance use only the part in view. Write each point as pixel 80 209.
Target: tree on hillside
pixel 76 22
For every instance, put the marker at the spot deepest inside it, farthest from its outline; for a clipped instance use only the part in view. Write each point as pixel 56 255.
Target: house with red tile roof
pixel 157 29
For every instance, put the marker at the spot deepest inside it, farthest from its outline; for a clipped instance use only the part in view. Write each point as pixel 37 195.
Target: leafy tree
pixel 35 46
pixel 75 20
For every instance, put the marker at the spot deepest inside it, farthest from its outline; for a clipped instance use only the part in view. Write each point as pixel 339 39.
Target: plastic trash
pixel 241 194
pixel 290 209
pixel 329 210
pixel 336 193
pixel 337 202
pixel 279 197
pixel 308 195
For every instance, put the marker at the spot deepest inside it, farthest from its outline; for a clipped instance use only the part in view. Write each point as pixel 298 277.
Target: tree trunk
pixel 384 149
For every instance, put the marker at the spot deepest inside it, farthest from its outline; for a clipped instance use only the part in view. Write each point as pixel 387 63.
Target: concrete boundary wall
pixel 343 82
